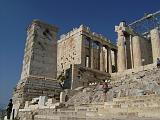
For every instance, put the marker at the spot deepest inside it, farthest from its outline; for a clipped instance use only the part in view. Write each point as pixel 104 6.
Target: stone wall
pixel 83 76
pixel 146 51
pixel 40 51
pixel 69 52
pixel 31 87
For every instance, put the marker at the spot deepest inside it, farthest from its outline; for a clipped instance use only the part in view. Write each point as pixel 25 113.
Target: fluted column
pixel 92 54
pixel 131 51
pixel 137 58
pixel 109 60
pixel 106 59
pixel 115 59
pixel 155 40
pixel 128 52
pixel 121 46
pixel 121 52
pixel 101 57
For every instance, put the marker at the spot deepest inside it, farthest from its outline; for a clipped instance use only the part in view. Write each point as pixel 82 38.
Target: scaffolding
pixel 147 23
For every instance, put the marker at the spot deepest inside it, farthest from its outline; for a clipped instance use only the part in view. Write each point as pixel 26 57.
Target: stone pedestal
pixel 62 97
pixel 42 100
pixel 155 40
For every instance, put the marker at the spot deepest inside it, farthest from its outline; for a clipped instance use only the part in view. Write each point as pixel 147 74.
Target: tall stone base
pixel 38 77
pixel 32 87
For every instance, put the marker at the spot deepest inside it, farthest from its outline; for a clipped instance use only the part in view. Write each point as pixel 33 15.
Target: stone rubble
pixel 136 84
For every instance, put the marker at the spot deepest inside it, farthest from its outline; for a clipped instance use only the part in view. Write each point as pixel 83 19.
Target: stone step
pixel 141 106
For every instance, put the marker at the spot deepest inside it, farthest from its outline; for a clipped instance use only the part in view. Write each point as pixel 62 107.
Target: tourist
pixel 105 89
pixel 66 98
pixel 9 109
pixel 158 63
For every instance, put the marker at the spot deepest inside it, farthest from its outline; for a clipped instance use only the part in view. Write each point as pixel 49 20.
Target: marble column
pixel 137 58
pixel 109 56
pixel 115 59
pixel 91 54
pixel 105 59
pixel 131 51
pixel 101 57
pixel 121 52
pixel 128 52
pixel 155 40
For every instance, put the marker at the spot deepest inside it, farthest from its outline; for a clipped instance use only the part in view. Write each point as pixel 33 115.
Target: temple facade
pixel 135 50
pixel 85 57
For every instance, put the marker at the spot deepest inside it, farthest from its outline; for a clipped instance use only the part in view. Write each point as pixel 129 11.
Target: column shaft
pixel 101 58
pixel 115 59
pixel 128 52
pixel 121 53
pixel 106 60
pixel 109 60
pixel 155 40
pixel 91 54
pixel 131 50
pixel 137 51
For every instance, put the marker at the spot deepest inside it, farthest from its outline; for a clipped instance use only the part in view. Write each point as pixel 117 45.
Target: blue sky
pixel 16 15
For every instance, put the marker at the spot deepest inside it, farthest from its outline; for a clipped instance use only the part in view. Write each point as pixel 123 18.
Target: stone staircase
pixel 134 96
pixel 136 106
pixel 124 108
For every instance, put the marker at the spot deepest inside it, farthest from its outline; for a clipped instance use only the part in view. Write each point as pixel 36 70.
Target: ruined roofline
pixel 43 24
pixel 83 29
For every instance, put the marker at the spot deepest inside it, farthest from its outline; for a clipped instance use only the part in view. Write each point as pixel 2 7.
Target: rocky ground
pixel 136 84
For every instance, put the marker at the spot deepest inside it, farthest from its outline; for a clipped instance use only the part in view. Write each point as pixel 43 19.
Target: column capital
pixel 121 27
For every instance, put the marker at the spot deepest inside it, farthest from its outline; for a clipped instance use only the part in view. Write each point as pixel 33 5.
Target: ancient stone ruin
pixel 62 79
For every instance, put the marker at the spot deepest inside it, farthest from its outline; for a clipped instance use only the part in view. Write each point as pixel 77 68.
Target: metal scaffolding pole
pixel 146 23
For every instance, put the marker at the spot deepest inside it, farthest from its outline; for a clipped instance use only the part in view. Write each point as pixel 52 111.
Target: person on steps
pixel 105 89
pixel 9 109
pixel 158 63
